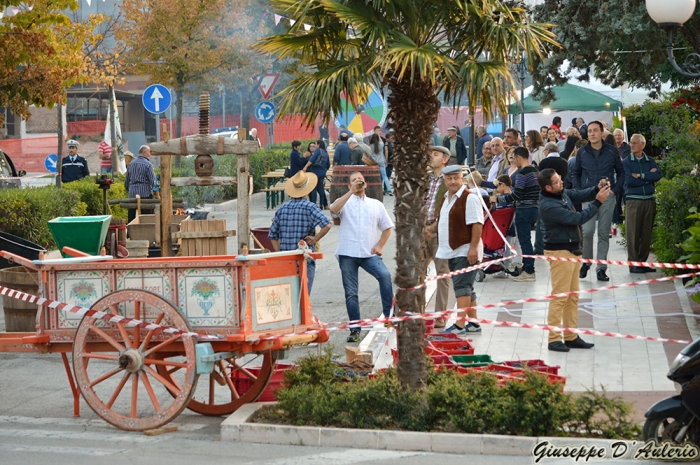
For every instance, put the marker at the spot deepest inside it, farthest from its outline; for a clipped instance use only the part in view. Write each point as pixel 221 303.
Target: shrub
pixel 91 196
pixel 674 199
pixel 314 395
pixel 25 213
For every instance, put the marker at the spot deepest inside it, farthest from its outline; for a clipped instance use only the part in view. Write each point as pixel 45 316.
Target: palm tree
pixel 418 49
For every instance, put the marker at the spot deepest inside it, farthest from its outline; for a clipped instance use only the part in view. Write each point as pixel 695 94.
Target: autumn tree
pixel 186 44
pixel 40 54
pixel 615 41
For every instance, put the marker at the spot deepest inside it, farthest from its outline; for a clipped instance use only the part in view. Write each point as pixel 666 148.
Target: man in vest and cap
pixel 73 167
pixel 459 226
pixel 297 219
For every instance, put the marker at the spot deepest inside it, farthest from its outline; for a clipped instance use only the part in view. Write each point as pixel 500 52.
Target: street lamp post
pixel 521 65
pixel 670 15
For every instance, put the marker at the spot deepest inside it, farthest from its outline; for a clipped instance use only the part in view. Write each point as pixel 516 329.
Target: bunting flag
pixel 292 22
pixel 89 2
pixel 121 163
pixel 307 27
pixel 277 19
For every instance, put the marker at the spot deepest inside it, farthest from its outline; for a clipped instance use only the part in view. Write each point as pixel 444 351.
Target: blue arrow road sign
pixel 265 112
pixel 156 99
pixel 50 163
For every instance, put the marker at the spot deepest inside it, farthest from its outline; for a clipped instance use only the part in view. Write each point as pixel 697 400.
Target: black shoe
pixel 584 270
pixel 557 346
pixel 354 336
pixel 637 269
pixel 602 276
pixel 578 343
pixel 648 269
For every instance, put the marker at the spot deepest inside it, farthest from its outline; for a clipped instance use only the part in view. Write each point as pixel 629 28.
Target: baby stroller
pixel 494 247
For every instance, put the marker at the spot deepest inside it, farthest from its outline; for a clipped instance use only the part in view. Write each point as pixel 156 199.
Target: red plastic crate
pixel 461 344
pixel 502 370
pixel 243 383
pixel 445 335
pixel 537 365
pixel 451 352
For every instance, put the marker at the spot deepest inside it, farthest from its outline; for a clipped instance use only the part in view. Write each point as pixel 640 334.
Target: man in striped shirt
pixel 526 195
pixel 140 179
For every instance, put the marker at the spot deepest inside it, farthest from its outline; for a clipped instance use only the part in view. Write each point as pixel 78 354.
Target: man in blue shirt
pixel 297 219
pixel 342 151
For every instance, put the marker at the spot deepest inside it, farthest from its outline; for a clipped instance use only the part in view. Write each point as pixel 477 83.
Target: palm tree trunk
pixel 414 110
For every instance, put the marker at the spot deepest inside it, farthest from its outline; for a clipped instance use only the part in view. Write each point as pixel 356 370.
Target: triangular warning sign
pixel 267 83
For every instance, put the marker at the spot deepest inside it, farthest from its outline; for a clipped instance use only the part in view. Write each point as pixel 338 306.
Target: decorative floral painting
pixel 81 288
pixel 207 297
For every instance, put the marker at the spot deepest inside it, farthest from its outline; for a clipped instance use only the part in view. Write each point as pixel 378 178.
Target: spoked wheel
pixel 666 429
pixel 116 366
pixel 219 394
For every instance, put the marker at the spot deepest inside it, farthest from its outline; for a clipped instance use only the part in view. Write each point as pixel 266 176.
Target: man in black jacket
pixel 562 238
pixel 455 144
pixel 595 162
pixel 73 167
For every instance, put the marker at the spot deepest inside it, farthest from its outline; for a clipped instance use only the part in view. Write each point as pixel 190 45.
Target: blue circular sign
pixel 265 112
pixel 156 99
pixel 50 163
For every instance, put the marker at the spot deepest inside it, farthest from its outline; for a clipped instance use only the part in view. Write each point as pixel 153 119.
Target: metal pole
pixel 158 127
pixel 223 108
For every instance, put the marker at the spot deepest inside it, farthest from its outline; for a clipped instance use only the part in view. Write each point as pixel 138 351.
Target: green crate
pixel 472 361
pixel 84 233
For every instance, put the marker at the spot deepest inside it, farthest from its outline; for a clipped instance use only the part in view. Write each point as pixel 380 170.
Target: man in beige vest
pixel 459 227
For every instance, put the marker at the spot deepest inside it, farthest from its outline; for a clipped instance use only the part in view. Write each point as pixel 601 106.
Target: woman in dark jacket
pixel 319 163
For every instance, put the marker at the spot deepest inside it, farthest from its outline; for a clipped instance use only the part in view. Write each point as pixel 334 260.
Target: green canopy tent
pixel 570 98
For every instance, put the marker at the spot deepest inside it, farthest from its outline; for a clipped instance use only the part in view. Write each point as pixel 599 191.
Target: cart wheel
pixel 219 394
pixel 480 275
pixel 121 357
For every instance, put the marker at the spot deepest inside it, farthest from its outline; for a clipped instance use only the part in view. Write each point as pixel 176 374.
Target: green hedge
pixel 25 213
pixel 91 195
pixel 320 394
pixel 674 199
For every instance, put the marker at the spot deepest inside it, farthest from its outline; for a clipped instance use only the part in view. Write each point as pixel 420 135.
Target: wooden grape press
pixel 150 337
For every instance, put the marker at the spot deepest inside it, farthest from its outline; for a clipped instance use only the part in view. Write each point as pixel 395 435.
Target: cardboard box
pixel 354 353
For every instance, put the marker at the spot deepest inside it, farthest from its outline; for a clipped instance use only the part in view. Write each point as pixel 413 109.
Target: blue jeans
pixel 525 219
pixel 372 265
pixel 310 273
pixel 385 178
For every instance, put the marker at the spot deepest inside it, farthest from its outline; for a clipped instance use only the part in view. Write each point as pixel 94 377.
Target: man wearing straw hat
pixel 297 220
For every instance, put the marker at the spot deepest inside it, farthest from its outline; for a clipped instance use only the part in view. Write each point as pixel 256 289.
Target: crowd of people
pixel 567 188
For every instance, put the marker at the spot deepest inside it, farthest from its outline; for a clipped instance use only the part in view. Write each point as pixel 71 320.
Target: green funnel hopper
pixel 84 233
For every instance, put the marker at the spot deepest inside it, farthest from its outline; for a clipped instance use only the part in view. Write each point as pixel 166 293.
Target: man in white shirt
pixel 459 230
pixel 365 228
pixel 498 151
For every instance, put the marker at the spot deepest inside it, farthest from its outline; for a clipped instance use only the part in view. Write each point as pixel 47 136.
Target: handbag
pixel 368 161
pixel 287 172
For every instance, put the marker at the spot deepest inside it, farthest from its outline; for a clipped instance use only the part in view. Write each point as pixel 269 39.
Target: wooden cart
pixel 139 379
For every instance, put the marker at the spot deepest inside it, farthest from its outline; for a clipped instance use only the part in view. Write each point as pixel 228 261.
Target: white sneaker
pixel 501 275
pixel 524 277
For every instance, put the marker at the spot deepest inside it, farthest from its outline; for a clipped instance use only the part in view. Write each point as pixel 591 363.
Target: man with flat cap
pixel 297 220
pixel 73 167
pixel 455 144
pixel 439 156
pixel 458 228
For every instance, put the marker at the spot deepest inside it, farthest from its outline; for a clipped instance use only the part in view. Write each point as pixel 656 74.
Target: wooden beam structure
pixel 205 145
pixel 203 181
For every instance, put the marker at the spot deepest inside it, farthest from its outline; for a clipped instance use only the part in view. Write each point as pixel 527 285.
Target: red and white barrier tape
pixel 338 326
pixel 683 266
pixel 368 322
pixel 129 322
